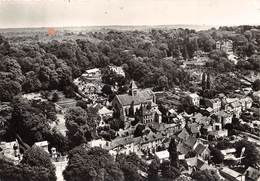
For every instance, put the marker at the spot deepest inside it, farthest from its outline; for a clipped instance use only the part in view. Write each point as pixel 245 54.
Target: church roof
pixel 141 97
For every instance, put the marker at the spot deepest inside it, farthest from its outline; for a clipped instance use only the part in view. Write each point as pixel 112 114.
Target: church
pixel 137 103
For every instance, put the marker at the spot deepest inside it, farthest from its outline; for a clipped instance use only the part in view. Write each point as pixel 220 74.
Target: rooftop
pixel 162 154
pixel 230 172
pixel 142 96
pixel 41 143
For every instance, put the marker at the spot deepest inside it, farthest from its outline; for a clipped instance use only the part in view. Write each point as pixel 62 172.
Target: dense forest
pixel 147 57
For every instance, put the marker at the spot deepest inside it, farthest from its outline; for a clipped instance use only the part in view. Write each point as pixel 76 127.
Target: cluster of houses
pixel 192 132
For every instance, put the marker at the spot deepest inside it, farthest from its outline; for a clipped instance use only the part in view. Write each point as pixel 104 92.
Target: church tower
pixel 133 88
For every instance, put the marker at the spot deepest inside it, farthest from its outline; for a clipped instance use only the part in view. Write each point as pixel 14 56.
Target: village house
pixel 10 151
pixel 231 175
pixel 198 63
pixel 151 141
pixel 183 135
pixel 105 113
pixel 200 119
pixel 247 90
pixel 217 131
pixel 229 153
pixel 252 174
pixel 202 151
pixel 225 45
pixel 197 163
pixel 43 144
pixel 139 145
pixel 187 145
pixel 224 117
pixel 215 104
pixel 162 155
pixel 193 99
pixel 246 103
pixel 256 96
pixel 236 108
pixel 94 73
pixel 99 143
pixel 137 101
pixel 171 114
pixel 65 103
pixel 232 105
pixel 194 129
pixel 118 70
pixel 127 145
pixel 88 87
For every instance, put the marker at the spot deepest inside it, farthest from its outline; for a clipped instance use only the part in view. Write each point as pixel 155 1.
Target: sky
pixel 63 13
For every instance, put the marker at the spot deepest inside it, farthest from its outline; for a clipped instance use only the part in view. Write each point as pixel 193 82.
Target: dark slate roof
pixel 141 97
pixel 183 134
pixel 191 141
pixel 200 148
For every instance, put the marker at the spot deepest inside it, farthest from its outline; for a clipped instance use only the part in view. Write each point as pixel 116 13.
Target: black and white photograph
pixel 129 90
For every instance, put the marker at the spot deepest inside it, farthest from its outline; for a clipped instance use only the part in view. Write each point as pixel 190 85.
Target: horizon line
pixel 126 25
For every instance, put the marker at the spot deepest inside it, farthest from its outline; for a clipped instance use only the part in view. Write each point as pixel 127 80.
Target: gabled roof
pixel 194 95
pixel 183 134
pixel 192 161
pixel 41 143
pixel 200 148
pixel 94 70
pixel 172 111
pixel 104 110
pixel 195 128
pixel 230 172
pixel 191 141
pixel 235 104
pixel 141 97
pixel 223 113
pixel 162 154
pixel 252 173
pixel 209 109
pixel 182 148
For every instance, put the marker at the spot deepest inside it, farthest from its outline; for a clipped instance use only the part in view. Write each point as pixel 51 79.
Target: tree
pixel 106 89
pixel 208 83
pixel 9 89
pixel 93 165
pixel 206 175
pixel 173 153
pixel 81 127
pixel 251 154
pixel 3 127
pixel 153 170
pixel 116 124
pixel 163 82
pixel 217 156
pixel 131 109
pixel 139 130
pixel 203 81
pixel 183 178
pixel 35 166
pixel 28 122
pixel 55 97
pixel 21 172
pixel 256 85
pixel 37 157
pixel 129 167
pixel 169 171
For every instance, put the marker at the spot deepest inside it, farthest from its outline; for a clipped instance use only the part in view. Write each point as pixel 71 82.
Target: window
pixel 217 127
